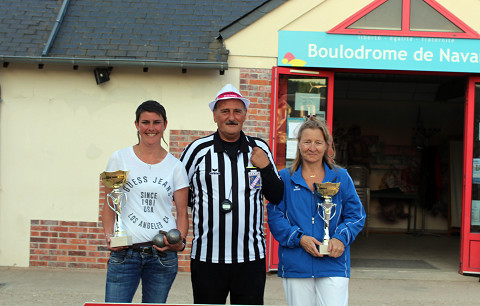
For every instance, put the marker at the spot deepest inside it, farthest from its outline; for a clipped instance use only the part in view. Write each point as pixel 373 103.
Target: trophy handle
pixel 335 211
pixel 328 210
pixel 116 201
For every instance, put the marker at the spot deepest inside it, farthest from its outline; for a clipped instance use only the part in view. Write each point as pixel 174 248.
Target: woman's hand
pixel 335 247
pixel 114 249
pixel 310 245
pixel 177 247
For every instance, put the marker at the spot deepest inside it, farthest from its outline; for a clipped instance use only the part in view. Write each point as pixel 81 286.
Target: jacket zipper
pixel 313 228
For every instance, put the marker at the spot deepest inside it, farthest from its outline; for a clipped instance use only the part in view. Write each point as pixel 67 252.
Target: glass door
pixel 470 228
pixel 296 93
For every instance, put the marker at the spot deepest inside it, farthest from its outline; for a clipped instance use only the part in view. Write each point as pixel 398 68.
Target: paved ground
pixel 369 285
pixel 28 286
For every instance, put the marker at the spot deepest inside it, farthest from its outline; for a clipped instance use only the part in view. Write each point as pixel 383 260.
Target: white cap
pixel 229 92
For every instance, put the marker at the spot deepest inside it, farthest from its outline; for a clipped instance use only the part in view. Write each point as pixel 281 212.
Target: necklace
pixel 149 159
pixel 313 173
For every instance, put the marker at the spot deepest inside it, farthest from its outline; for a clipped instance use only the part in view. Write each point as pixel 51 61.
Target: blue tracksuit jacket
pixel 298 214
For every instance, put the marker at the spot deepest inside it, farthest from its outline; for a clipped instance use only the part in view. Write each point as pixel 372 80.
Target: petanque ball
pixel 173 236
pixel 158 240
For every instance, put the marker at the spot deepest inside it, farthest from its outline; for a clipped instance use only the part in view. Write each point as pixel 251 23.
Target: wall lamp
pixel 102 75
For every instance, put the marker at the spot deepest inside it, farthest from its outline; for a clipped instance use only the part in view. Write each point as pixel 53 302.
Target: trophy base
pixel 323 249
pixel 119 241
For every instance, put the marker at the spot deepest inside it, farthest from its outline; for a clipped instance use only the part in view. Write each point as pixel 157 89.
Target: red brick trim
pixel 67 244
pixel 179 139
pixel 255 84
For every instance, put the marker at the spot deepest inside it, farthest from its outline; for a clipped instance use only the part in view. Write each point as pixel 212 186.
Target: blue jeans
pixel 127 267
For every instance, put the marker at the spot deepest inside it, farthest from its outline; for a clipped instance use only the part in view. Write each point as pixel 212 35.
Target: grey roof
pixel 124 32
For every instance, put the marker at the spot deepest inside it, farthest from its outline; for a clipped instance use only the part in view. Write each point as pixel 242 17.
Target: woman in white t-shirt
pixel 156 179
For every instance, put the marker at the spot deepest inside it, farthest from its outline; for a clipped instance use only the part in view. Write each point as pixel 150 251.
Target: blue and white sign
pixel 319 49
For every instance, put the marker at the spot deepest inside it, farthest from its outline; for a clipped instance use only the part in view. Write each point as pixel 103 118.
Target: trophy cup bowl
pixel 114 180
pixel 117 180
pixel 327 191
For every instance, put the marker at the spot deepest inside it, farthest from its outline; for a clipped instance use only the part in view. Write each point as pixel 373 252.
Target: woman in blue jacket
pixel 297 222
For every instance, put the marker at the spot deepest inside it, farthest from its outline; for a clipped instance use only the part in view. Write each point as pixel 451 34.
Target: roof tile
pixel 178 30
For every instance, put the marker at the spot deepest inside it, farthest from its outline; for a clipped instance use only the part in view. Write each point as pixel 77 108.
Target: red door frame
pixel 276 71
pixel 272 244
pixel 470 242
pixel 467 252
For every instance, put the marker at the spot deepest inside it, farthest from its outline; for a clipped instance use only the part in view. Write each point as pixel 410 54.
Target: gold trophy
pixel 327 191
pixel 117 180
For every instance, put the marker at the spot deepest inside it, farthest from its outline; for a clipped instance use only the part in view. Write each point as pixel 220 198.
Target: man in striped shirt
pixel 229 173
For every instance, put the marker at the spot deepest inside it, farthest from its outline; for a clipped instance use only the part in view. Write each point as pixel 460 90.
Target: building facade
pixel 73 76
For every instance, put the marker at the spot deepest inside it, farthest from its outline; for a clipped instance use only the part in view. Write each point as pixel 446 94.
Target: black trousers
pixel 212 282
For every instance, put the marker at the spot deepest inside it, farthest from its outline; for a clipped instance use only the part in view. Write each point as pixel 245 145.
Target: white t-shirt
pixel 149 191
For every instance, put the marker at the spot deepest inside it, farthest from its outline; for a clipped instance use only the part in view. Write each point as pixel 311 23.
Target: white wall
pixel 58 129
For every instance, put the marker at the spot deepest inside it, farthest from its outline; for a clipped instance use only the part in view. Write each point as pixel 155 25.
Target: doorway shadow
pixel 406 251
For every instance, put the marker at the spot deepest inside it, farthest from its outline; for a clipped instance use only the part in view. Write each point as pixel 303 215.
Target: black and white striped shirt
pixel 236 236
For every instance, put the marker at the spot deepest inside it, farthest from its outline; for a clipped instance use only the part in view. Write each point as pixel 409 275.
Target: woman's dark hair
pixel 152 107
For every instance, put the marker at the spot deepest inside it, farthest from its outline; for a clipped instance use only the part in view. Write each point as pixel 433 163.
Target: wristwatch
pixel 184 241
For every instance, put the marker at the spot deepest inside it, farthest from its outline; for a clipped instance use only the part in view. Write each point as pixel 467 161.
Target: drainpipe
pixel 56 27
pixel 40 60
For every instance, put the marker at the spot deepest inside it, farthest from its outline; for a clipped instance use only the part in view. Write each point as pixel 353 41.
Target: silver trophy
pixel 118 200
pixel 326 191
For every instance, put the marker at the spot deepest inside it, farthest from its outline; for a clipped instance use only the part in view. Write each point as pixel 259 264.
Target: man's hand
pixel 259 158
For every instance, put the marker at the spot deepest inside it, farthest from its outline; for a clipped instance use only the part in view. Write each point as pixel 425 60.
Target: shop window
pixel 302 96
pixel 301 93
pixel 435 22
pixel 387 16
pixel 420 18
